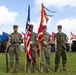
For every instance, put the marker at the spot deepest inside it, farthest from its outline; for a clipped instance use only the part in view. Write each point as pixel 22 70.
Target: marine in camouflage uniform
pixel 45 51
pixel 14 48
pixel 60 40
pixel 33 40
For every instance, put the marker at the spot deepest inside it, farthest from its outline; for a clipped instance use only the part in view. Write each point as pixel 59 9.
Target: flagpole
pixel 40 31
pixel 40 28
pixel 39 55
pixel 25 58
pixel 25 62
pixel 25 38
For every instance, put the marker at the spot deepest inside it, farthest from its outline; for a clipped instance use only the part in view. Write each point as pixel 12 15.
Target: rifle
pixel 7 61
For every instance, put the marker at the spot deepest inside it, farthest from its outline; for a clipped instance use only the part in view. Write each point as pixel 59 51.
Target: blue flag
pixel 0 37
pixel 5 36
pixel 28 19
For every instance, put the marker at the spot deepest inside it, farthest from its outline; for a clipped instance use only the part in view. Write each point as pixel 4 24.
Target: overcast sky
pixel 15 12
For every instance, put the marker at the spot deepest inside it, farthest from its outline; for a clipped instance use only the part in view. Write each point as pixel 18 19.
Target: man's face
pixel 31 29
pixel 15 29
pixel 59 29
pixel 45 30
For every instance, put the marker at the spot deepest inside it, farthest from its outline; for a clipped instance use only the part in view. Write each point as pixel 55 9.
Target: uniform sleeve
pixel 10 37
pixel 55 36
pixel 50 36
pixel 20 36
pixel 66 38
pixel 36 37
pixel 21 41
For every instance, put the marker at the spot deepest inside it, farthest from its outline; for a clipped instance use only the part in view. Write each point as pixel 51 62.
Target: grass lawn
pixel 71 65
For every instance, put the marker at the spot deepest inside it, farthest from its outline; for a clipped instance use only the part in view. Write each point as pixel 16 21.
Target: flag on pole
pixel 28 36
pixel 29 48
pixel 28 20
pixel 27 24
pixel 40 30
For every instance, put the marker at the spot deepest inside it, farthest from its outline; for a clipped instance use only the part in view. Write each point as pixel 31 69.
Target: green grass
pixel 71 65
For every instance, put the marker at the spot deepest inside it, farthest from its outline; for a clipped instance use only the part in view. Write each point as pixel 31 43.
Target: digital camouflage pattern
pixel 33 40
pixel 45 52
pixel 14 48
pixel 61 49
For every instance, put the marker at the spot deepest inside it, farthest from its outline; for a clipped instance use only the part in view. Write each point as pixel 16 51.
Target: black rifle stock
pixel 7 62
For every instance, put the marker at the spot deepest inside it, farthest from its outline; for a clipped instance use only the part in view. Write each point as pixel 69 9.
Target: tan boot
pixel 48 70
pixel 35 71
pixel 65 69
pixel 16 70
pixel 58 69
pixel 28 70
pixel 11 70
pixel 41 70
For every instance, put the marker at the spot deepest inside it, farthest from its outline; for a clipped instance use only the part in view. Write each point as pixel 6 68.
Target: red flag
pixel 27 36
pixel 53 36
pixel 40 30
pixel 28 47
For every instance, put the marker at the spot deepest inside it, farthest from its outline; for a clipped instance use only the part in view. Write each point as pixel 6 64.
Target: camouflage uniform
pixel 45 51
pixel 61 49
pixel 33 40
pixel 14 48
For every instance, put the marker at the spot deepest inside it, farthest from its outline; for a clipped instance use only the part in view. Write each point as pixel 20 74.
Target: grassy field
pixel 71 65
